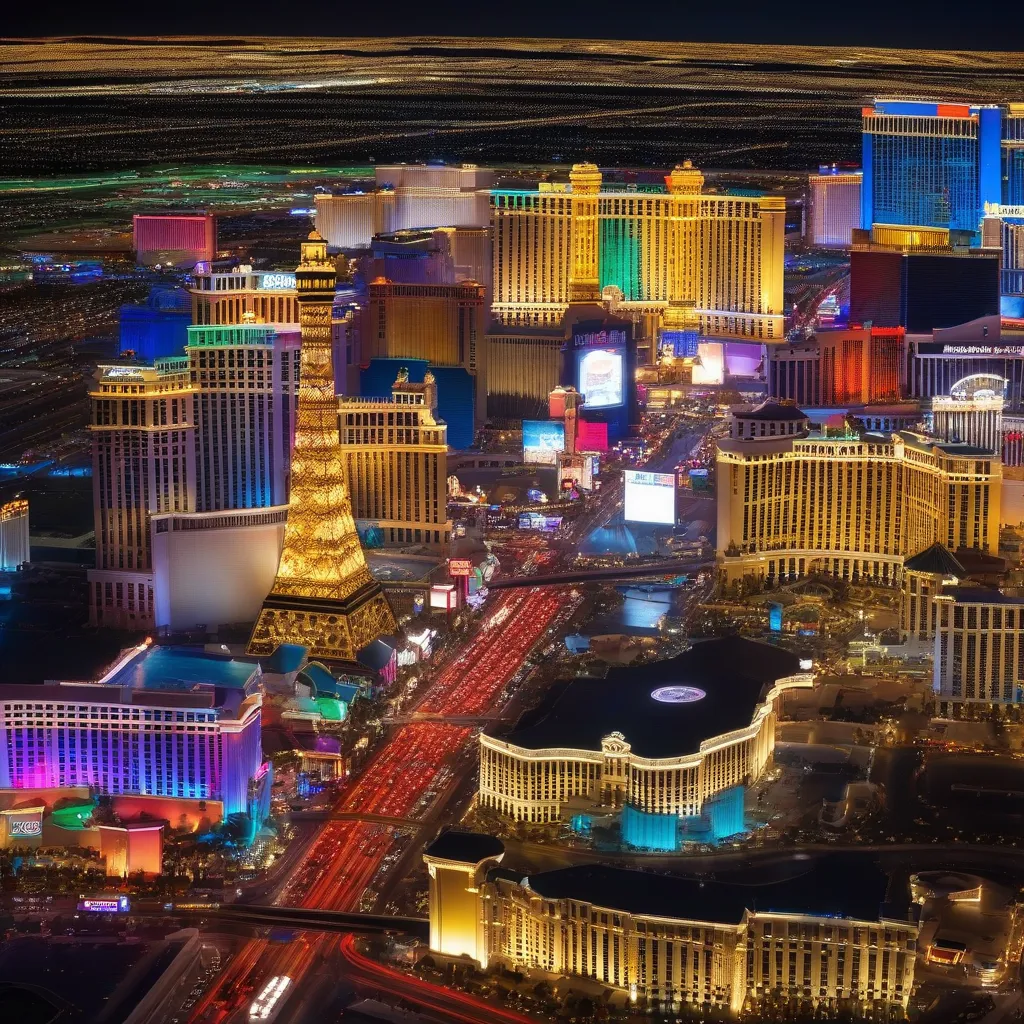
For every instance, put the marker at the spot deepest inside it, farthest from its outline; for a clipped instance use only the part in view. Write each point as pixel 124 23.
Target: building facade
pixel 979 652
pixel 117 740
pixel 833 207
pixel 406 197
pixel 567 242
pixel 244 380
pixel 853 505
pixel 143 451
pixel 668 942
pixel 858 366
pixel 14 535
pixel 532 779
pixel 396 460
pixel 174 239
pixel 930 164
pixel 221 298
pixel 925 576
pixel 213 569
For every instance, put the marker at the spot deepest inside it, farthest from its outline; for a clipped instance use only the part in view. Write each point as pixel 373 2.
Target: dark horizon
pixel 991 27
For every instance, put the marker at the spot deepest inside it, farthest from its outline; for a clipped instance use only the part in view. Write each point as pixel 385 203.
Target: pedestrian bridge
pixel 320 920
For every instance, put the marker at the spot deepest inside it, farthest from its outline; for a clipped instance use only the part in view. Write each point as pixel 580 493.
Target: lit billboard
pixel 115 905
pixel 600 374
pixel 649 497
pixel 542 441
pixel 460 566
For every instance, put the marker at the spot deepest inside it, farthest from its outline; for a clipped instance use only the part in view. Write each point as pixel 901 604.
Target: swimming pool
pixel 180 668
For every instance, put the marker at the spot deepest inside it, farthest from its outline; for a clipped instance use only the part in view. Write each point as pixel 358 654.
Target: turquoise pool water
pixel 181 668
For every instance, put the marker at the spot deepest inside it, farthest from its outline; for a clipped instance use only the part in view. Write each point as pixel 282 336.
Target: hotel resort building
pixel 827 938
pixel 840 500
pixel 669 747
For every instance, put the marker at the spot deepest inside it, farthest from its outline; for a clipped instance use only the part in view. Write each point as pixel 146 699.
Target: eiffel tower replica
pixel 323 597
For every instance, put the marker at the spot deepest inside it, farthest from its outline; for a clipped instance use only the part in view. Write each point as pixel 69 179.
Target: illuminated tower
pixel 584 284
pixel 324 596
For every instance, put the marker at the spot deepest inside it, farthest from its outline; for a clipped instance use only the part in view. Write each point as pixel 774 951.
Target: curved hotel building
pixel 793 501
pixel 830 937
pixel 670 745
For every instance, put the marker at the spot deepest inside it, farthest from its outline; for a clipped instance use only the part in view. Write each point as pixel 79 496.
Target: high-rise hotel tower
pixel 565 243
pixel 143 464
pixel 324 596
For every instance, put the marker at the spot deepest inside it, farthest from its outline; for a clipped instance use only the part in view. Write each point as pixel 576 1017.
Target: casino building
pixel 225 297
pixel 831 937
pixel 655 244
pixel 138 730
pixel 845 501
pixel 670 747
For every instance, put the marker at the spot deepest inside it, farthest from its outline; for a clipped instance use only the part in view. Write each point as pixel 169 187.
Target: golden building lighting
pixel 793 501
pixel 565 243
pixel 324 597
pixel 667 942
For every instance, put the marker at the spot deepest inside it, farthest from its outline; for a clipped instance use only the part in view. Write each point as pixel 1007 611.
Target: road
pixel 392 809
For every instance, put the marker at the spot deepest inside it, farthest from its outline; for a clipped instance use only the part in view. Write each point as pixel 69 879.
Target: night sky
pixel 939 24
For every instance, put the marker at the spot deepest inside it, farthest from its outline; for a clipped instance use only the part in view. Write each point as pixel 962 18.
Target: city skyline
pixel 500 530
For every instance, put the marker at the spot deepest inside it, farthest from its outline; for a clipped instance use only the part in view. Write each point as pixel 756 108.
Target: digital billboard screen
pixel 600 378
pixel 650 497
pixel 542 441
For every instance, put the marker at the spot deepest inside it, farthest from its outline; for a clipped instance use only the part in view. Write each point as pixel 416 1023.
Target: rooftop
pixel 981 595
pixel 935 559
pixel 711 689
pixel 846 887
pixel 181 668
pixel 466 847
pixel 770 409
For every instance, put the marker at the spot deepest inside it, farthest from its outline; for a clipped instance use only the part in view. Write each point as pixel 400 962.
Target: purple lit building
pixel 132 733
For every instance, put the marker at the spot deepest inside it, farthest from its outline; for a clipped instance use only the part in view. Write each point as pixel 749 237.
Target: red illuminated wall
pixel 175 237
pixel 195 815
pixel 591 437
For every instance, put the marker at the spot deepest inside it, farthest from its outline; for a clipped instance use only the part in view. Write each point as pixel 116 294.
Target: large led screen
pixel 650 497
pixel 542 441
pixel 600 378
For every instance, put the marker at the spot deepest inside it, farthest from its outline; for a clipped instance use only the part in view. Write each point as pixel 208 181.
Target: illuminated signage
pixel 649 497
pixel 1001 210
pixel 678 694
pixel 444 597
pixel 600 378
pixel 120 905
pixel 543 440
pixel 599 339
pixel 26 827
pixel 460 566
pixel 982 350
pixel 277 282
pixel 123 371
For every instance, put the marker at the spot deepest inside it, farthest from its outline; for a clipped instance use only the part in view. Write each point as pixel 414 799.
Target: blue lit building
pixel 456 392
pixel 159 327
pixel 932 164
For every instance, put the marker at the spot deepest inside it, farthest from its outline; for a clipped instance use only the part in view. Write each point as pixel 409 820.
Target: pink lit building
pixel 179 239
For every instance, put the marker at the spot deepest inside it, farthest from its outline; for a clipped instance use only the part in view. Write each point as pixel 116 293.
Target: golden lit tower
pixel 324 596
pixel 584 285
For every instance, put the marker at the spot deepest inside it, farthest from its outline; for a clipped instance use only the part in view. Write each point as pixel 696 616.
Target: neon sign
pixel 277 282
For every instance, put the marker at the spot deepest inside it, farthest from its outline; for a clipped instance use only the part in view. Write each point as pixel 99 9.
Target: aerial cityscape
pixel 510 529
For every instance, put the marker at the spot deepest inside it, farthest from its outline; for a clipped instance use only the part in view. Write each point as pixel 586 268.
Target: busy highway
pixel 350 858
pixel 472 681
